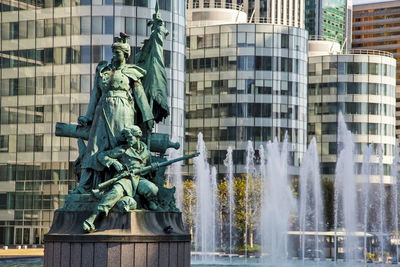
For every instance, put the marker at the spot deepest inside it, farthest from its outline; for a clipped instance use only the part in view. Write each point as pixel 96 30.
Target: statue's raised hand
pixel 83 120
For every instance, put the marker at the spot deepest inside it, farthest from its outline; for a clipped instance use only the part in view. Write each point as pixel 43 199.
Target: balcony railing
pixel 215 5
pixel 270 21
pixel 369 52
pixel 321 38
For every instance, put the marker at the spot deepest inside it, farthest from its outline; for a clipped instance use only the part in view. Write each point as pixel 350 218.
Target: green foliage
pixel 189 202
pixel 253 208
pixel 255 248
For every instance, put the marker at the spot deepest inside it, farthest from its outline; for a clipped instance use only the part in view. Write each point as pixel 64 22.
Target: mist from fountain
pixel 381 201
pixel 278 205
pixel 228 162
pixel 395 196
pixel 311 206
pixel 174 177
pixel 206 206
pixel 345 191
pixel 278 202
pixel 366 172
pixel 250 172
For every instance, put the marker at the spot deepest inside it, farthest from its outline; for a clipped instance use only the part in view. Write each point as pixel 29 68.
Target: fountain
pixel 206 207
pixel 174 177
pixel 250 173
pixel 395 197
pixel 228 162
pixel 366 172
pixel 345 192
pixel 311 207
pixel 278 202
pixel 360 207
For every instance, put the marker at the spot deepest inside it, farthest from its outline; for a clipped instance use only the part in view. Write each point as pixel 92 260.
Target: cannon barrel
pixel 158 142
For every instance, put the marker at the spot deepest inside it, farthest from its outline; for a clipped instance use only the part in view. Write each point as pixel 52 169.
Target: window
pixel 3 143
pixel 130 26
pixel 284 41
pixel 108 25
pixel 97 25
pixel 85 54
pixel 245 62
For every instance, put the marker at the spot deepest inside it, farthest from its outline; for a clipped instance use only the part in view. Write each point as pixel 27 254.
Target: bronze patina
pixel 121 162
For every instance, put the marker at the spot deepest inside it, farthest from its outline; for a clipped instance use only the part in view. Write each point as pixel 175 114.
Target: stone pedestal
pixel 140 239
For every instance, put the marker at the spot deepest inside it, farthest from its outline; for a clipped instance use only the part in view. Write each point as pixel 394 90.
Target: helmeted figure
pixel 129 156
pixel 114 164
pixel 117 100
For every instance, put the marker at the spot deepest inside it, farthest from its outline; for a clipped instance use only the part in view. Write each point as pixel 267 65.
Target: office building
pixel 244 81
pixel 329 19
pixel 376 26
pixel 361 85
pixel 49 51
pixel 283 12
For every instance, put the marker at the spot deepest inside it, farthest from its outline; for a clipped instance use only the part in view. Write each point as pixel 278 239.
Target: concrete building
pixel 330 19
pixel 377 26
pixel 245 81
pixel 361 85
pixel 283 12
pixel 49 51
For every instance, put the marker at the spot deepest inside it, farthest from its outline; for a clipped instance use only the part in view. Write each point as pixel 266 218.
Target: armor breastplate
pixel 114 81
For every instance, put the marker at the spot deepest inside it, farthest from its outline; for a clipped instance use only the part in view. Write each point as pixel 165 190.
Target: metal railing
pixel 368 52
pixel 271 21
pixel 351 51
pixel 215 5
pixel 321 38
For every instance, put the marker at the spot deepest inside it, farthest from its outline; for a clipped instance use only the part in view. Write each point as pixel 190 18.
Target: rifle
pixel 152 167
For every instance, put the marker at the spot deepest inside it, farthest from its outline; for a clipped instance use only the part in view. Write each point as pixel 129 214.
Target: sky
pixel 357 2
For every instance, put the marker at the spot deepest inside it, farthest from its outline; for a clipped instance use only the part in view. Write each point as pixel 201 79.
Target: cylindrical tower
pixel 49 52
pixel 246 81
pixel 361 85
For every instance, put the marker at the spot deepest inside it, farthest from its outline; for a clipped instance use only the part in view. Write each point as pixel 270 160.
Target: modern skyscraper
pixel 284 12
pixel 49 52
pixel 245 81
pixel 361 85
pixel 330 19
pixel 376 26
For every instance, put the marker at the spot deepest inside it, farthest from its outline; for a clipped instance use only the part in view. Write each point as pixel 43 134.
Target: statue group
pixel 116 167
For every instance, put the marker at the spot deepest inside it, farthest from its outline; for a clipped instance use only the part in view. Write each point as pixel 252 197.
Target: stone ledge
pixel 90 238
pixel 137 226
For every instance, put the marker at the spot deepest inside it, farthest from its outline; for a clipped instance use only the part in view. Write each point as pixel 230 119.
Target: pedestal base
pixel 142 238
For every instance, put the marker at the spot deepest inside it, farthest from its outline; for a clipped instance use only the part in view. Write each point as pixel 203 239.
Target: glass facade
pixel 246 82
pixel 282 12
pixel 376 26
pixel 362 87
pixel 327 18
pixel 48 55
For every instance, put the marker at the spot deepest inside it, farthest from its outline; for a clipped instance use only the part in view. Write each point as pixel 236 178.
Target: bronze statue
pixel 117 91
pixel 132 155
pixel 122 164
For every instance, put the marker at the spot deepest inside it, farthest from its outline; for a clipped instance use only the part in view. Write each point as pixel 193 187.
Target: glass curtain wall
pixel 246 82
pixel 362 87
pixel 48 55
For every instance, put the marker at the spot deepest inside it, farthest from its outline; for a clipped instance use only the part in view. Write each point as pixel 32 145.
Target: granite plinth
pixel 140 238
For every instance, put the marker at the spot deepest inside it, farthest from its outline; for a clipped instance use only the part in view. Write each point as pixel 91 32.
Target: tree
pixel 223 209
pixel 189 202
pixel 253 207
